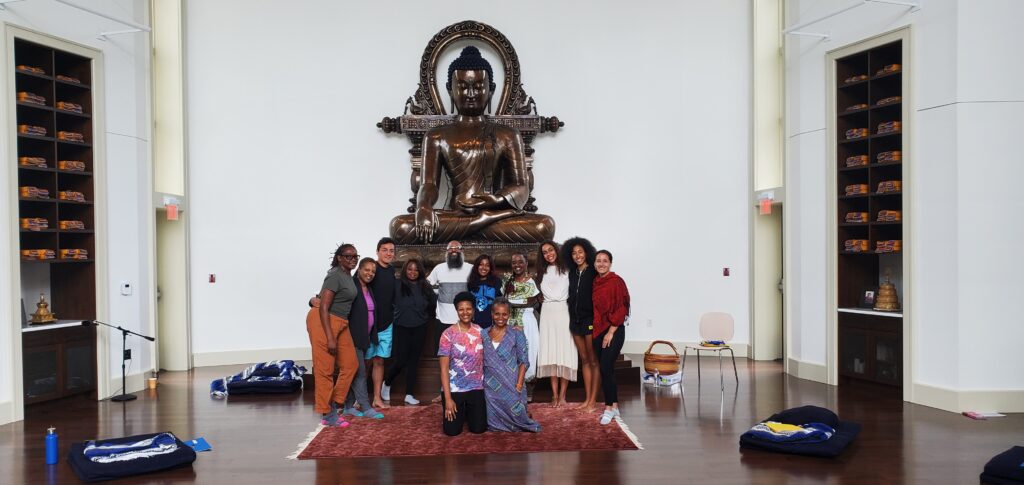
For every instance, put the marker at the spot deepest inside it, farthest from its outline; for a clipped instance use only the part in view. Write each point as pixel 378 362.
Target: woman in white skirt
pixel 557 358
pixel 522 293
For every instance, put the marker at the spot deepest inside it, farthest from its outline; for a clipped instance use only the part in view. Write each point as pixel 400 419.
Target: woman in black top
pixel 414 306
pixel 581 312
pixel 485 286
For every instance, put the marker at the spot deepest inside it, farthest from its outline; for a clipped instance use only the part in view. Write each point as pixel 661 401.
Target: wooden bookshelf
pixel 868 95
pixel 59 359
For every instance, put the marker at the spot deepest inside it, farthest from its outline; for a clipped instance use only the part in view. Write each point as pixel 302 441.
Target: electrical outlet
pixel 725 271
pixel 127 354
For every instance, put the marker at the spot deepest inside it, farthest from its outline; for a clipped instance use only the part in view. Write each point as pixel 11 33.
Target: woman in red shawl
pixel 611 306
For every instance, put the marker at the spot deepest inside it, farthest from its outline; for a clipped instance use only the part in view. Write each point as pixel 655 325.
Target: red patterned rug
pixel 416 431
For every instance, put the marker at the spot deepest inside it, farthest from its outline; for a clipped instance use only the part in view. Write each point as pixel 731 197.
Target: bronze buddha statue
pixel 486 165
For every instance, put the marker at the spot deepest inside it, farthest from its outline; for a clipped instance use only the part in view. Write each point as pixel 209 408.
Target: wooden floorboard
pixel 689 437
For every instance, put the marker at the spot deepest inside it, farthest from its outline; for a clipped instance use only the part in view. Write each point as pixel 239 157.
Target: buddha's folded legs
pixel 498 226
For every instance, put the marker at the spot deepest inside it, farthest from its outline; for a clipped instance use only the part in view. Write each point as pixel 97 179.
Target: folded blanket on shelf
pixel 857 189
pixel 72 224
pixel 74 254
pixel 32 69
pixel 70 136
pixel 889 127
pixel 68 79
pixel 889 156
pixel 856 245
pixel 71 165
pixel 38 162
pixel 71 195
pixel 271 373
pixel 27 97
pixel 888 246
pixel 30 192
pixel 38 254
pixel 889 100
pixel 890 216
pixel 26 129
pixel 34 223
pixel 856 217
pixel 857 161
pixel 888 68
pixel 853 79
pixel 855 107
pixel 787 433
pixel 69 106
pixel 889 186
pixel 854 133
pixel 160 444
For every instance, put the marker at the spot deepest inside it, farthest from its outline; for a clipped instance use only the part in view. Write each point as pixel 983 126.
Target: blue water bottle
pixel 51 446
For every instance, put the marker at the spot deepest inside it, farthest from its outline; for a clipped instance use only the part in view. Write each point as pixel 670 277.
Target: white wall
pixel 967 107
pixel 652 163
pixel 126 74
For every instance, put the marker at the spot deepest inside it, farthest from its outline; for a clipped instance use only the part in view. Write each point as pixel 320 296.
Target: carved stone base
pixel 501 253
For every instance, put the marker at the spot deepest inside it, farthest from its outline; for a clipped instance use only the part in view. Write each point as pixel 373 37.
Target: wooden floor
pixel 688 438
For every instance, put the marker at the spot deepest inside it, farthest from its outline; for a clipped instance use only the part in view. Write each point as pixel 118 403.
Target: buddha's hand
pixel 426 224
pixel 481 201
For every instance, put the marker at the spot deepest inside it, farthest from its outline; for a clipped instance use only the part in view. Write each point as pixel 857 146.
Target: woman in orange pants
pixel 329 337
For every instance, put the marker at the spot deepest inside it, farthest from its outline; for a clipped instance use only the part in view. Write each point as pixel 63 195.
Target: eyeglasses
pixel 350 256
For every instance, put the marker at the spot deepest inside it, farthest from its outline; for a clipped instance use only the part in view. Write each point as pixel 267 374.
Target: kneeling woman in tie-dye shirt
pixel 461 355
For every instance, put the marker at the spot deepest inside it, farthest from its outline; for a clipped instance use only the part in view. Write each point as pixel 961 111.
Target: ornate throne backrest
pixel 425 109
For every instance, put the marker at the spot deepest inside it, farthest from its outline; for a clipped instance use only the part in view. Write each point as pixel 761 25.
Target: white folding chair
pixel 715 326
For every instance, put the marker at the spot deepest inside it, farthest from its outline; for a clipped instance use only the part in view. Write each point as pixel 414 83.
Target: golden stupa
pixel 887 299
pixel 42 314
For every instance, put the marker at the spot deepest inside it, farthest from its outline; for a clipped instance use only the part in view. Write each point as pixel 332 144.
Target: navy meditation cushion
pixel 1005 467
pixel 806 414
pixel 90 471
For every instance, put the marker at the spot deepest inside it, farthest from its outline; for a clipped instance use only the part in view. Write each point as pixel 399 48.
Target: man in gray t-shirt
pixel 448 280
pixel 344 288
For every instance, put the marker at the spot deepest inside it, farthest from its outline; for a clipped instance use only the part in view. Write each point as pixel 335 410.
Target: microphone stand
pixel 124 347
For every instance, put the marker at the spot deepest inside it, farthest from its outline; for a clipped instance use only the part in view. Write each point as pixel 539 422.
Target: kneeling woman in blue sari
pixel 505 363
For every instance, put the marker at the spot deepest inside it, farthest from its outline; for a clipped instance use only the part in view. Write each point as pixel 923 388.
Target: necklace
pixel 500 337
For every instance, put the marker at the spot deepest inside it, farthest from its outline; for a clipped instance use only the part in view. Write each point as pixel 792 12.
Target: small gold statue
pixel 42 314
pixel 887 299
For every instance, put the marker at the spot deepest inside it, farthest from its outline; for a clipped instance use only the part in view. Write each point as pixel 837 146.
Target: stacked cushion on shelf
pixel 890 156
pixel 90 471
pixel 845 433
pixel 857 189
pixel 854 133
pixel 889 127
pixel 1005 467
pixel 857 161
pixel 888 68
pixel 38 162
pixel 32 69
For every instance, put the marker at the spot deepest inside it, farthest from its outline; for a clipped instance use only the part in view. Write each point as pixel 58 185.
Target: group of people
pixel 492 343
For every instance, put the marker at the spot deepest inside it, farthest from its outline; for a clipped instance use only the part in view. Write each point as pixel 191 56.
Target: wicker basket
pixel 664 364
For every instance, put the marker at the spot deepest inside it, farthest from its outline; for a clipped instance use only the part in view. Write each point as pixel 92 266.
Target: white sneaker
pixel 385 392
pixel 616 412
pixel 410 400
pixel 607 417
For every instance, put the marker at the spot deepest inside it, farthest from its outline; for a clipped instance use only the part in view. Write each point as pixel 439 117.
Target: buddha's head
pixel 470 82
